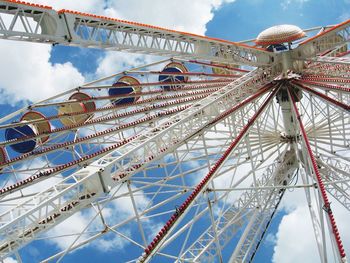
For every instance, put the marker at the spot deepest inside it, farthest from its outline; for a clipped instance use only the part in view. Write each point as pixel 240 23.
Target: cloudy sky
pixel 30 72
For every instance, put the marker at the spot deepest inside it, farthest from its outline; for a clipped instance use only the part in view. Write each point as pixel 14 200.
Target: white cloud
pixel 124 204
pixel 25 194
pixel 68 230
pixel 166 14
pixel 114 62
pixel 27 74
pixel 295 239
pixel 171 14
pixel 9 260
pixel 72 225
pixel 89 6
pixel 270 239
pixel 115 243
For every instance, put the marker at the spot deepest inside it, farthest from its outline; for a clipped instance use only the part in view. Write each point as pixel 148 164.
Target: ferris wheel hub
pixel 157 141
pixel 279 34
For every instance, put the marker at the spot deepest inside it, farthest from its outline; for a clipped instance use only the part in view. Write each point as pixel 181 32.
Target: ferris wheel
pixel 185 159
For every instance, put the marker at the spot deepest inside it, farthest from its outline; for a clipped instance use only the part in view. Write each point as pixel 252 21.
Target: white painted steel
pixel 167 132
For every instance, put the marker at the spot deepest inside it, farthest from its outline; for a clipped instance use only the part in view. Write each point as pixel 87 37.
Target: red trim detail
pixel 3 154
pixel 195 74
pixel 82 100
pixel 323 85
pixel 343 54
pixel 319 181
pixel 279 41
pixel 216 166
pixel 71 164
pixel 115 85
pixel 28 4
pixel 36 112
pixel 124 79
pixel 178 65
pixel 219 66
pixel 216 81
pixel 325 32
pixel 324 53
pixel 65 11
pixel 89 137
pixel 182 68
pixel 325 79
pixel 82 104
pixel 323 96
pixel 197 95
pixel 42 116
pixel 79 92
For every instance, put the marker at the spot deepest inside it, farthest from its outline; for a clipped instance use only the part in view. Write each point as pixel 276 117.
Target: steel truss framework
pixel 190 169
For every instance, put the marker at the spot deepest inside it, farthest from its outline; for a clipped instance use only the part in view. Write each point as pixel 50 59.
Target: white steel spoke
pixel 329 39
pixel 311 163
pixel 337 174
pixel 195 151
pixel 74 28
pixel 99 177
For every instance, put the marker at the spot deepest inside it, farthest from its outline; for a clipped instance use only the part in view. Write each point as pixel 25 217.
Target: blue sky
pixel 236 21
pixel 246 19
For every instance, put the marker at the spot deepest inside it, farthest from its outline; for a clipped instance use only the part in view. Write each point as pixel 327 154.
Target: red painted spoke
pixel 199 95
pixel 183 209
pixel 183 84
pixel 323 85
pixel 323 96
pixel 178 88
pixel 320 184
pixel 223 66
pixel 325 78
pixel 83 160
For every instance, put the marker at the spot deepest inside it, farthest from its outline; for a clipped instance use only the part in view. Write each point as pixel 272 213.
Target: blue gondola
pixel 276 48
pixel 173 67
pixel 170 78
pixel 18 133
pixel 121 91
pixel 126 89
